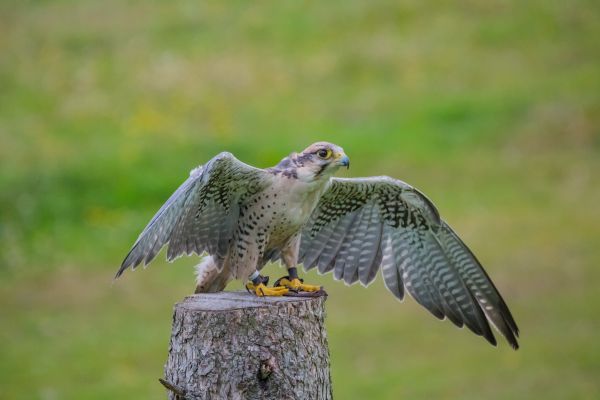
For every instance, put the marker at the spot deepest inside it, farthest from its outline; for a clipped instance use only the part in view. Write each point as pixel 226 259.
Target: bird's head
pixel 318 161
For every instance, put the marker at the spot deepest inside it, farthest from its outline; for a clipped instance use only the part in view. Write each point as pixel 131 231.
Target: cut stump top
pixel 227 301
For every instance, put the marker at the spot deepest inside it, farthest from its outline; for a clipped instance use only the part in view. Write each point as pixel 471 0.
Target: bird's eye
pixel 324 153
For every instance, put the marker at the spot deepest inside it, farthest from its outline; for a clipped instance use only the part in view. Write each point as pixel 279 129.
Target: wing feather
pixel 392 277
pixel 366 224
pixel 370 249
pixel 344 251
pixel 326 259
pixel 354 248
pixel 200 215
pixel 480 285
pixel 416 277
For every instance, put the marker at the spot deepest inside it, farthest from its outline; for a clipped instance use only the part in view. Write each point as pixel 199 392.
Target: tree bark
pixel 233 345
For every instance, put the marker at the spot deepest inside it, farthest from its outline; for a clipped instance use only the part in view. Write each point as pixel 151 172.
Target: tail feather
pixel 210 276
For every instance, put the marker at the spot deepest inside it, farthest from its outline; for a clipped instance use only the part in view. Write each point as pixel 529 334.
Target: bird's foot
pixel 297 285
pixel 262 290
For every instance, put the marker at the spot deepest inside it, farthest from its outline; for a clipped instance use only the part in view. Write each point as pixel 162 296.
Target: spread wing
pixel 366 224
pixel 202 213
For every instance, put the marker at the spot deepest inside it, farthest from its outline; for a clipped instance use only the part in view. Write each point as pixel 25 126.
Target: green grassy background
pixel 491 108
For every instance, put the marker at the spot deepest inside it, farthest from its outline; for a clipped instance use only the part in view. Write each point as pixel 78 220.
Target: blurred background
pixel 491 108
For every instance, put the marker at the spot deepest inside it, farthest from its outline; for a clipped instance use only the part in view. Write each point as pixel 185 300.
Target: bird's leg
pixel 258 286
pixel 292 282
pixel 289 257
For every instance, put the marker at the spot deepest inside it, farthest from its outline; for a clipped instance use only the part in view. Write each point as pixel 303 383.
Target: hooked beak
pixel 344 161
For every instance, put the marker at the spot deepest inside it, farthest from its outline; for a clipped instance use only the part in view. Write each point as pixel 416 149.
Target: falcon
pixel 296 212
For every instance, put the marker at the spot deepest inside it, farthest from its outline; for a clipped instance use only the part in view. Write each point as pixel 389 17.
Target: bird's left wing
pixel 201 214
pixel 364 224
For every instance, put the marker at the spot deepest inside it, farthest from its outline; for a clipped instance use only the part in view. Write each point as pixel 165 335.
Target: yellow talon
pixel 297 285
pixel 261 290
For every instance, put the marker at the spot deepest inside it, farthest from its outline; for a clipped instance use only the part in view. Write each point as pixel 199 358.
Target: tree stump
pixel 233 345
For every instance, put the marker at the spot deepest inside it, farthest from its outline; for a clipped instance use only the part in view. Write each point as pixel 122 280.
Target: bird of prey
pixel 243 217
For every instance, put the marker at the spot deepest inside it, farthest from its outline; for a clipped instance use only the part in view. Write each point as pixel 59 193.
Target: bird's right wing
pixel 200 216
pixel 362 225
